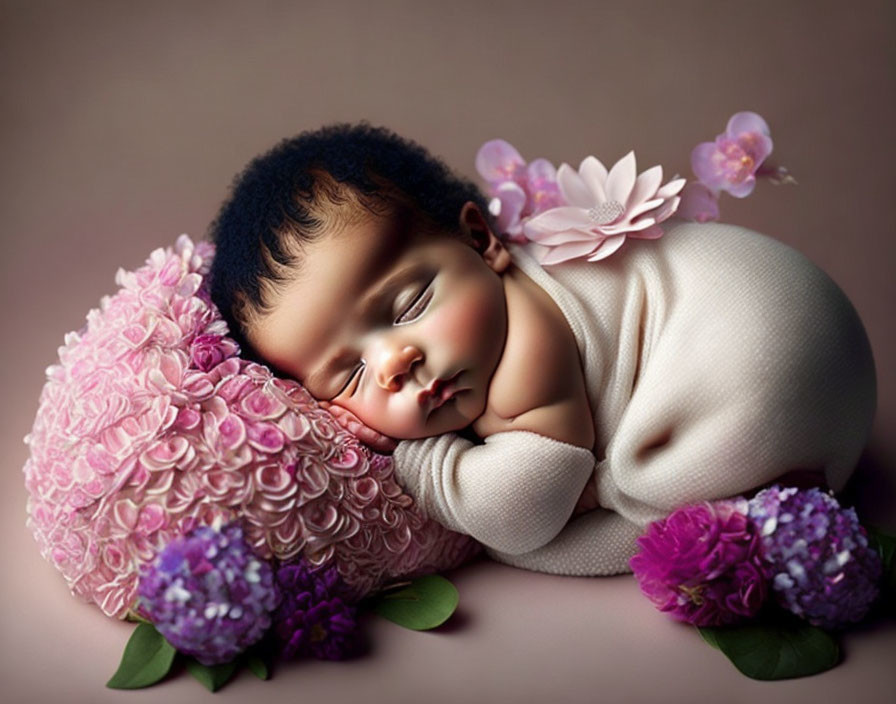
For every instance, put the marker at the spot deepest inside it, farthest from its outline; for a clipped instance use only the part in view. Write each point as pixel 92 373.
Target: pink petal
pixel 758 146
pixel 607 247
pixel 513 199
pixel 644 207
pixel 671 188
pixel 704 166
pixel 666 210
pixel 540 170
pixel 498 160
pixel 698 203
pixel 555 220
pixel 594 174
pixel 653 232
pixel 574 189
pixel 565 252
pixel 645 186
pixel 553 239
pixel 743 189
pixel 742 122
pixel 628 226
pixel 621 179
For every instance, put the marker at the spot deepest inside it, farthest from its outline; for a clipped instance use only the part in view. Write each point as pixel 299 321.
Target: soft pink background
pixel 123 123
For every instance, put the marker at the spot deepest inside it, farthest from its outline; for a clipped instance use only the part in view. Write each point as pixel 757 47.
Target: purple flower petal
pixel 498 160
pixel 742 122
pixel 540 170
pixel 823 567
pixel 706 165
pixel 513 199
pixel 698 203
pixel 208 594
pixel 743 189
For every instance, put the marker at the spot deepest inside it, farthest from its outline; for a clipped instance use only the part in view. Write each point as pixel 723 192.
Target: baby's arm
pixel 514 493
pixel 599 542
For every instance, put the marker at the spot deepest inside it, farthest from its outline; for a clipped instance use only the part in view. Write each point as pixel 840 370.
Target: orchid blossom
pixel 518 190
pixel 731 162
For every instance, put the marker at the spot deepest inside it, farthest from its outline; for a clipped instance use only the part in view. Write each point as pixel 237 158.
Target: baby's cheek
pixel 466 320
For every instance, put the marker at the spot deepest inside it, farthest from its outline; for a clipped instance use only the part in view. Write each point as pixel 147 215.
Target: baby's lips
pixel 438 392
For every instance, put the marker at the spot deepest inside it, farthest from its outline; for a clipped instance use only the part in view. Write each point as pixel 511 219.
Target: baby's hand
pixel 370 437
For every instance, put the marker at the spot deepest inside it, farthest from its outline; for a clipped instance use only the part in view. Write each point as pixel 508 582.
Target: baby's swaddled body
pixel 716 360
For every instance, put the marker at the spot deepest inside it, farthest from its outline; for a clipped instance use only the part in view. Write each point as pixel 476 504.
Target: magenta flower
pixel 518 190
pixel 731 162
pixel 702 564
pixel 603 209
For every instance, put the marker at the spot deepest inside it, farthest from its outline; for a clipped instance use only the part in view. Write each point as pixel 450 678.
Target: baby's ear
pixel 474 224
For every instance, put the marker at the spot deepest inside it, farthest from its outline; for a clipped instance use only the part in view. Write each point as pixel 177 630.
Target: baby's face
pixel 403 329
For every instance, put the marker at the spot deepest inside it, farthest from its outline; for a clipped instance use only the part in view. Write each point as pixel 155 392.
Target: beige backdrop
pixel 124 122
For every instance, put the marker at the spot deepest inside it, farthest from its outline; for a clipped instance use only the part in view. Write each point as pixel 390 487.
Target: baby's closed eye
pixel 412 303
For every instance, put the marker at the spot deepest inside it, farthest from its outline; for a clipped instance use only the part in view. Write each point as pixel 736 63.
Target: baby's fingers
pixel 370 437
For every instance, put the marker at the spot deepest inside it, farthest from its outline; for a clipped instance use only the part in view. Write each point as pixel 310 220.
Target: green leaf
pixel 258 666
pixel 709 636
pixel 775 648
pixel 212 677
pixel 886 548
pixel 425 603
pixel 147 658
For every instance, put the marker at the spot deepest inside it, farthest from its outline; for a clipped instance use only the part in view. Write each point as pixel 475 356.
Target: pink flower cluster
pixel 518 190
pixel 151 424
pixel 570 214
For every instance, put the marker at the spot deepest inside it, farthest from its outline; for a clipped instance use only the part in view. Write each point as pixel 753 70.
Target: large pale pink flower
pixel 730 162
pixel 603 209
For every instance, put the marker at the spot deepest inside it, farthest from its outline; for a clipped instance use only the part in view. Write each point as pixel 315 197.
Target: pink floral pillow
pixel 151 424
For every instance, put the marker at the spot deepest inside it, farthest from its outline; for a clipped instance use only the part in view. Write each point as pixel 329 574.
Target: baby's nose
pixel 395 365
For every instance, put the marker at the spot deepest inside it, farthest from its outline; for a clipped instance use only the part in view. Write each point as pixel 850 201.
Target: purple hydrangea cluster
pixel 316 617
pixel 208 594
pixel 823 567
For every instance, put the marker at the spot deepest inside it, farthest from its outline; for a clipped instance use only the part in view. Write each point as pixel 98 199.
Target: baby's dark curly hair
pixel 306 186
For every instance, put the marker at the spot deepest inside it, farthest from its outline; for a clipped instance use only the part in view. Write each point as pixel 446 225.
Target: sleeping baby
pixel 548 411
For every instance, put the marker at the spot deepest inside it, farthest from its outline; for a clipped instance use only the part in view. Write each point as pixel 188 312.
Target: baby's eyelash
pixel 417 306
pixel 355 372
